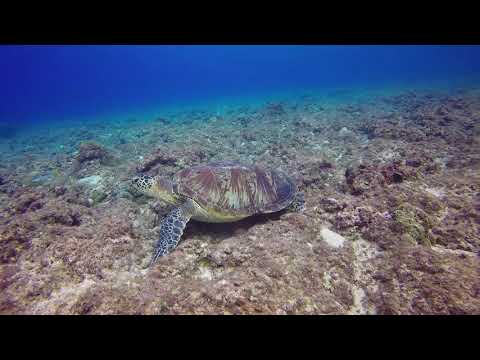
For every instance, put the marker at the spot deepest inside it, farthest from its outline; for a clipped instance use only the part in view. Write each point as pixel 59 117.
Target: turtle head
pixel 156 187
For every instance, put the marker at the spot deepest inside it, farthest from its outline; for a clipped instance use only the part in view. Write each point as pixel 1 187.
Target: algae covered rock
pixel 414 224
pixel 91 151
pixel 361 178
pixel 95 189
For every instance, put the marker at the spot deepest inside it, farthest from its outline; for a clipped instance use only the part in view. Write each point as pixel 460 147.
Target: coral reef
pixel 391 224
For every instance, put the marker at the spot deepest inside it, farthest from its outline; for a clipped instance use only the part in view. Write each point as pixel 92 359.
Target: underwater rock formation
pixel 158 157
pixel 90 151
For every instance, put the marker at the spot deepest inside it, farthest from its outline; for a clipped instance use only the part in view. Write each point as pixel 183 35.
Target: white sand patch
pixel 436 192
pixel 63 298
pixel 363 267
pixel 327 280
pixel 358 307
pixel 364 250
pixel 91 181
pixel 442 250
pixel 332 238
pixel 205 273
pixel 345 132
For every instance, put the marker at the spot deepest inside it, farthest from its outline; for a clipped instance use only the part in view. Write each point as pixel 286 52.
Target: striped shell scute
pixel 233 188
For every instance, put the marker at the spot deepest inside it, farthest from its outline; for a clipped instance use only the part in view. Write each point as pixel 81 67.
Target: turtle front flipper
pixel 171 230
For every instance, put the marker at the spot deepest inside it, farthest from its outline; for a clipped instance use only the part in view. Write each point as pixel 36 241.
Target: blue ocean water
pixel 43 84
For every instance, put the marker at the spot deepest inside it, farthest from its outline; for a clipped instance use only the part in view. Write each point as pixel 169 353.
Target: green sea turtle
pixel 217 192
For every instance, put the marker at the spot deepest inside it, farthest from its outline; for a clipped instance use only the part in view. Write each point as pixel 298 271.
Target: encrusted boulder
pixel 90 152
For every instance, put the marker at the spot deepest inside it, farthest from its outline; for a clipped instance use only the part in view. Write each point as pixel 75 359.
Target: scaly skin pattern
pixel 173 225
pixel 143 183
pixel 171 230
pixel 298 203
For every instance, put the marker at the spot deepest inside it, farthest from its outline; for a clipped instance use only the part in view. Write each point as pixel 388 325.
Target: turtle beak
pixel 135 180
pixel 134 183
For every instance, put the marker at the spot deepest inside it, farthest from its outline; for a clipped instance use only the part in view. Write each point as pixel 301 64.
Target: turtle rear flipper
pixel 171 230
pixel 298 203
